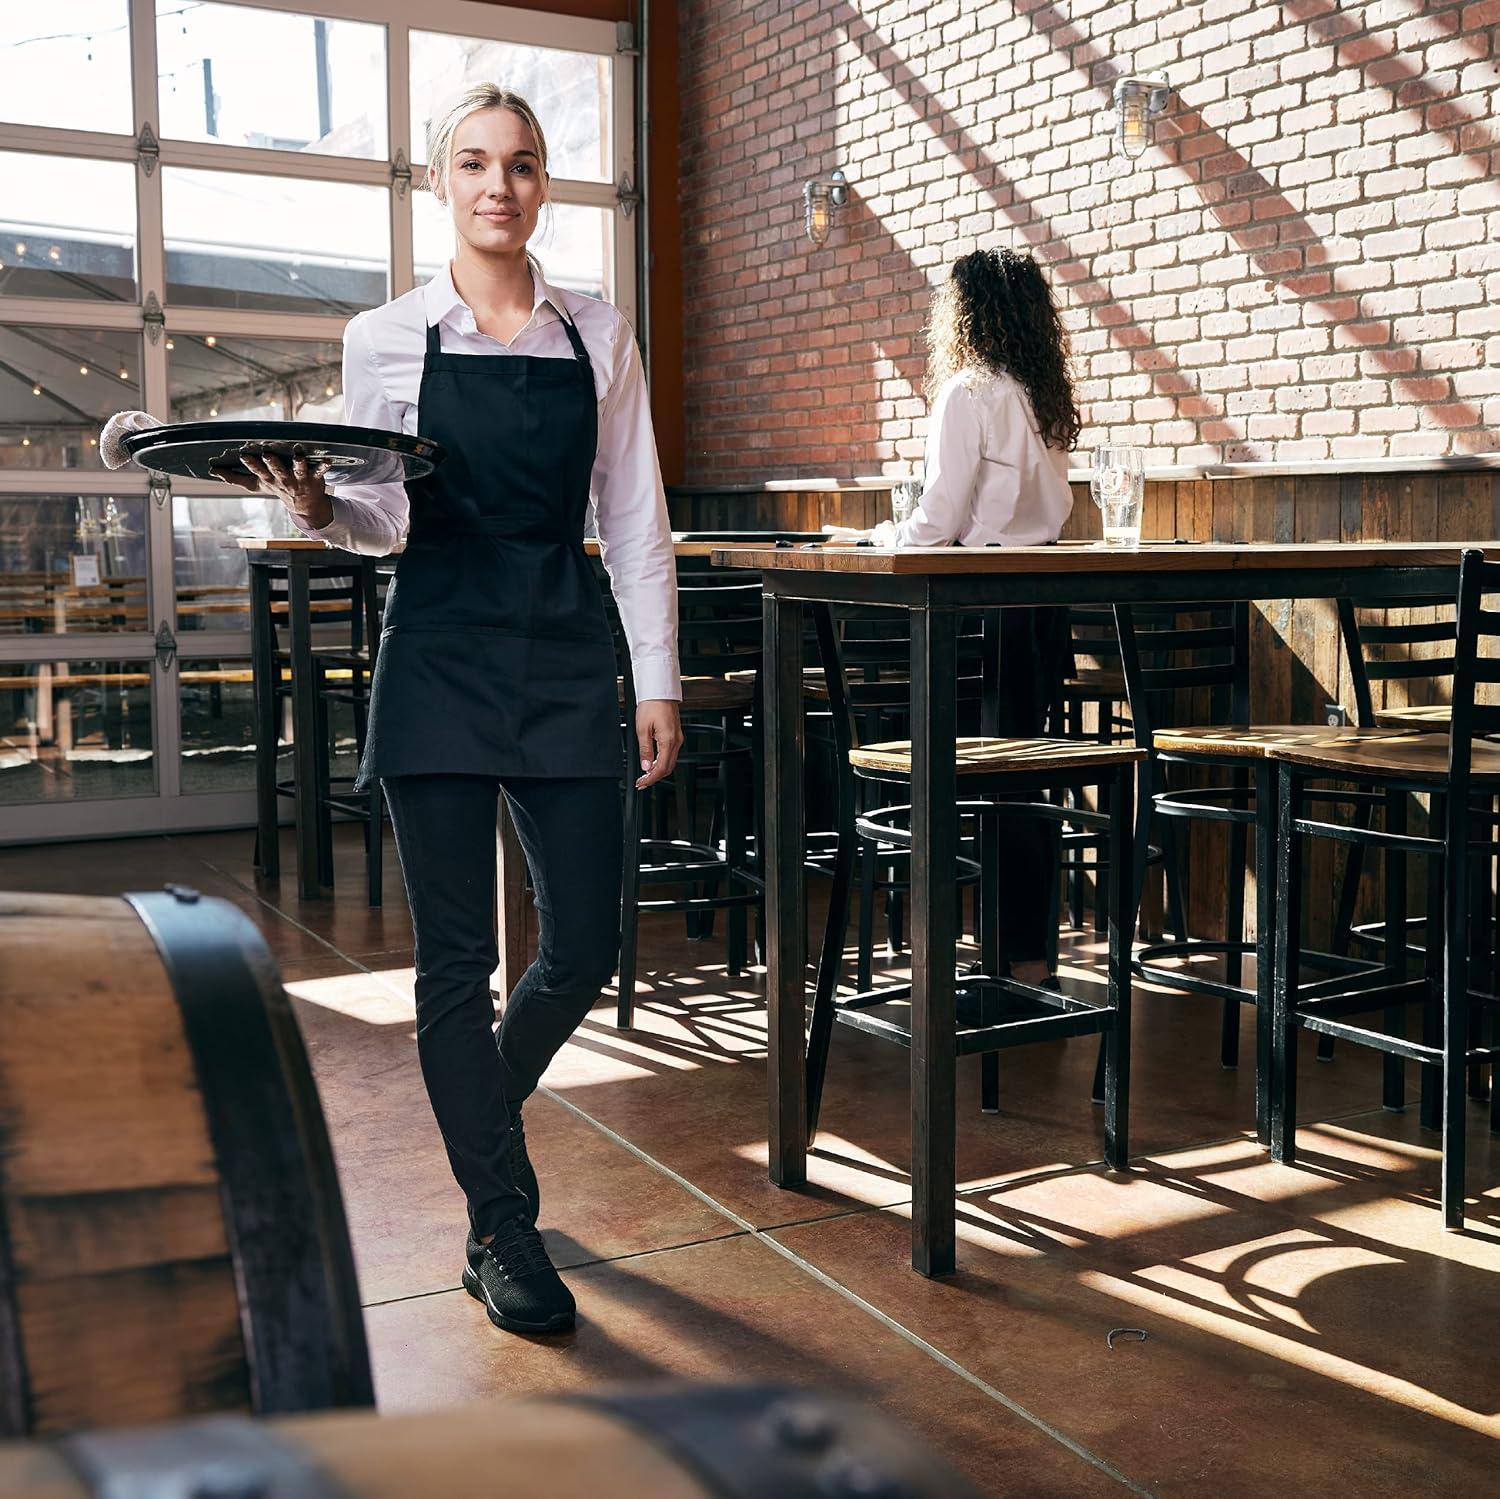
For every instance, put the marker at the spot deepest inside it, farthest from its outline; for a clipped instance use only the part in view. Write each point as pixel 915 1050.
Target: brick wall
pixel 1304 264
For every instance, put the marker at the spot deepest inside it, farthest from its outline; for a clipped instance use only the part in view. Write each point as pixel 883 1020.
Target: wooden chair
pixel 1000 779
pixel 1460 772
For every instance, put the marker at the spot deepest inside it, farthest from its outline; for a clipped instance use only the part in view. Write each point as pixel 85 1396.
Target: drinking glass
pixel 1118 484
pixel 904 496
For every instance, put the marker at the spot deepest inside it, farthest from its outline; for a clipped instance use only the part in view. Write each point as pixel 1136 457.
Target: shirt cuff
pixel 656 678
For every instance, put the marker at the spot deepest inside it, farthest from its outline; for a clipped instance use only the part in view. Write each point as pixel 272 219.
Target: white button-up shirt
pixel 384 350
pixel 989 479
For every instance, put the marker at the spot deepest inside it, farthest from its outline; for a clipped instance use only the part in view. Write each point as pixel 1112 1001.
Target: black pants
pixel 476 1080
pixel 1034 654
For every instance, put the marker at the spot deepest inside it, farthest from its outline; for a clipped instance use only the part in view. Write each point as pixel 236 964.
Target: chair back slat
pixel 1380 649
pixel 1162 651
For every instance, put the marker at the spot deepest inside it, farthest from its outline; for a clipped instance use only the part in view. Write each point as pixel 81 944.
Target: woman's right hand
pixel 293 479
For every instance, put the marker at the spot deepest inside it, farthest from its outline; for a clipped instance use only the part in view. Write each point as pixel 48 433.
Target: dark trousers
pixel 1034 654
pixel 476 1080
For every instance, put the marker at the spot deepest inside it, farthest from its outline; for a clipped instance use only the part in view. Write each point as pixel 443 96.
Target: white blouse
pixel 989 479
pixel 384 350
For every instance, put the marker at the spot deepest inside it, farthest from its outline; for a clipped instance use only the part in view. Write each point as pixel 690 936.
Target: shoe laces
pixel 518 1251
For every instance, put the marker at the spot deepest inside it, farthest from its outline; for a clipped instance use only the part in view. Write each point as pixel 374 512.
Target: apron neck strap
pixel 580 353
pixel 434 341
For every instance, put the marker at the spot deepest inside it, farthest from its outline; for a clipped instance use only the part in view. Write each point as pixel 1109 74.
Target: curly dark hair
pixel 996 312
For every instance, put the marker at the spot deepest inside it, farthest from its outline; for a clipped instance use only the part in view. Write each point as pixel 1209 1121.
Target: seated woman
pixel 1004 417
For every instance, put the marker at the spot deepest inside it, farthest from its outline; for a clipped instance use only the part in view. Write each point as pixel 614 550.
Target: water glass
pixel 904 497
pixel 1118 486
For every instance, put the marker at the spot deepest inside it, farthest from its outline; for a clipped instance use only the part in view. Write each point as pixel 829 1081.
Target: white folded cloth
pixel 117 429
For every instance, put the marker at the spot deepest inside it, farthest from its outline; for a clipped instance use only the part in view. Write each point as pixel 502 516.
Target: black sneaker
pixel 515 1280
pixel 521 1171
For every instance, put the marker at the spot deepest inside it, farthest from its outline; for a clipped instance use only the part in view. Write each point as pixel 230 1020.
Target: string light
pixel 170 346
pixel 20 247
pixel 83 369
pixel 328 390
pixel 25 442
pixel 36 390
pixel 124 373
pixel 214 409
pixel 54 253
pixel 93 442
pixel 210 340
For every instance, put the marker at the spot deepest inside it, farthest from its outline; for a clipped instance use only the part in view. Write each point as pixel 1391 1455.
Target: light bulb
pixel 124 373
pixel 213 410
pixel 54 253
pixel 25 442
pixel 1130 132
pixel 328 390
pixel 170 346
pixel 210 340
pixel 815 206
pixel 36 390
pixel 20 247
pixel 83 369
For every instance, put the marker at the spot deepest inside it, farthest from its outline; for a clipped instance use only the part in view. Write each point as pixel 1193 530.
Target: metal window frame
pixel 169 808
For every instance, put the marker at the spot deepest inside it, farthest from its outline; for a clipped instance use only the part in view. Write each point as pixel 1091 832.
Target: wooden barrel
pixel 657 1442
pixel 172 1239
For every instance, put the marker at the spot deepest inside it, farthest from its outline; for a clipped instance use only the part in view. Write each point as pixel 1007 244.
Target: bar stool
pixel 1461 774
pixel 995 775
pixel 719 648
pixel 344 601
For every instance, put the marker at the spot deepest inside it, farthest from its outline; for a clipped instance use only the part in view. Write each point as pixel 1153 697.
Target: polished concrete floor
pixel 1307 1331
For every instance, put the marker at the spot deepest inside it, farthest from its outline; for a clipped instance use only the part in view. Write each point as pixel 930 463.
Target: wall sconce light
pixel 820 197
pixel 1137 102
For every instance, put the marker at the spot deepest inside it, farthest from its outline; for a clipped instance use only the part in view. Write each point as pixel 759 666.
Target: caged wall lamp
pixel 820 198
pixel 1137 101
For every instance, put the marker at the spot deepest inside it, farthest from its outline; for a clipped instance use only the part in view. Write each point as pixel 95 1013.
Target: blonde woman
pixel 496 674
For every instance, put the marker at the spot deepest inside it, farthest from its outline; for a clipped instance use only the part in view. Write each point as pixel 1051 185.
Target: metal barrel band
pixel 299 1304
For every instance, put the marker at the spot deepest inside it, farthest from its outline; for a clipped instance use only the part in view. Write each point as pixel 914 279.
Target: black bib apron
pixel 496 657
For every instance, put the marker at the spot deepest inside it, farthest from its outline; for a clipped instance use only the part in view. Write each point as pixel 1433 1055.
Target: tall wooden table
pixel 936 585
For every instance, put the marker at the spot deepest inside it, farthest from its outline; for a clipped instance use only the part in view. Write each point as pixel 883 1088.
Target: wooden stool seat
pixel 1257 742
pixel 1094 684
pixel 1420 757
pixel 1000 756
pixel 1434 717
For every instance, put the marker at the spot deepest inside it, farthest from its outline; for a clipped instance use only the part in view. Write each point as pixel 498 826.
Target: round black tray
pixel 348 455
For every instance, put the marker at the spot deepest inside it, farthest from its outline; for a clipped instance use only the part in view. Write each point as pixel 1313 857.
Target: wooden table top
pixel 590 545
pixel 1092 558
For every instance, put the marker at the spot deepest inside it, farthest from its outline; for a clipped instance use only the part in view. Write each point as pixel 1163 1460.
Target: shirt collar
pixel 442 302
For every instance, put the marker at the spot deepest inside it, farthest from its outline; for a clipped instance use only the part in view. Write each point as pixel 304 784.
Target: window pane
pixel 267 78
pixel 75 730
pixel 254 379
pixel 72 564
pixel 568 90
pixel 274 243
pixel 209 570
pixel 67 227
pixel 574 244
pixel 218 727
pixel 60 386
pixel 86 42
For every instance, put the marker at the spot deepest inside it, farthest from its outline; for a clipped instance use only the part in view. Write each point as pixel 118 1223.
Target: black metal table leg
pixel 1265 939
pixel 304 733
pixel 934 913
pixel 263 674
pixel 786 965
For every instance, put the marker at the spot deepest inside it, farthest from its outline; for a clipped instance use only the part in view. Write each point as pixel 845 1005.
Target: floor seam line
pixel 884 1318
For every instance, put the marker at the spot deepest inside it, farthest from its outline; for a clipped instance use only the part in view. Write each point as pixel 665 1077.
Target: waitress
pixel 496 671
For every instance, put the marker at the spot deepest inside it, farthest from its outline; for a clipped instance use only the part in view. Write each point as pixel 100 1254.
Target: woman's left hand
pixel 658 730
